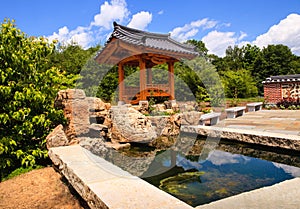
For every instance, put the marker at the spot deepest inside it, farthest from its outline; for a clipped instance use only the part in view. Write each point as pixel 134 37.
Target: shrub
pixel 28 86
pixel 291 104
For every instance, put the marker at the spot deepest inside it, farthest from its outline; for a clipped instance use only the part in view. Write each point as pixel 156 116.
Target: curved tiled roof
pixel 152 40
pixel 148 41
pixel 282 78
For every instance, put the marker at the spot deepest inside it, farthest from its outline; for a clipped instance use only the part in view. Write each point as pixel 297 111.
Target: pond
pixel 230 169
pixel 197 174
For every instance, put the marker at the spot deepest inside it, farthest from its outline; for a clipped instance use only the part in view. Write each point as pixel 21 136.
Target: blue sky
pixel 218 23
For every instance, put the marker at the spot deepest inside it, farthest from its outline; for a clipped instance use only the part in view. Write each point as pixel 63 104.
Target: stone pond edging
pixel 104 185
pixel 270 139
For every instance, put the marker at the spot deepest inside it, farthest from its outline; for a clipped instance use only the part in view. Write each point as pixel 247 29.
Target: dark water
pixel 228 170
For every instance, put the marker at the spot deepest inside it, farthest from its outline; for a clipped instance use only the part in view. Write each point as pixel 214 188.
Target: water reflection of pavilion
pixel 136 48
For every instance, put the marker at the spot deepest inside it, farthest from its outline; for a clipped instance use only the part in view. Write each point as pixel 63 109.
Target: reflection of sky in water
pixel 223 174
pixel 217 157
pixel 166 163
pixel 187 164
pixel 227 162
pixel 294 171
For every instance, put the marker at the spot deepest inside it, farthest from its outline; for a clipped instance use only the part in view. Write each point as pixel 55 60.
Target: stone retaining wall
pixel 284 141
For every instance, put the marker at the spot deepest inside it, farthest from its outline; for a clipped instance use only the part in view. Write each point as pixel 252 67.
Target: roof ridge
pixel 185 45
pixel 285 76
pixel 116 25
pixel 142 35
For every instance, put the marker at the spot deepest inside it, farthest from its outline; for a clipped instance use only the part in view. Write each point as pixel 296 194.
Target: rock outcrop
pixel 191 118
pixel 86 116
pixel 99 111
pixel 129 125
pixel 91 117
pixel 76 111
pixel 57 138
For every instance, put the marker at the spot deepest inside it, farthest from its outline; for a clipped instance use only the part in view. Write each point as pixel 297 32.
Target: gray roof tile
pixel 283 78
pixel 152 40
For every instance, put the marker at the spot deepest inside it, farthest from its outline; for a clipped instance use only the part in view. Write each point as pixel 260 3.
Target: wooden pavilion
pixel 131 47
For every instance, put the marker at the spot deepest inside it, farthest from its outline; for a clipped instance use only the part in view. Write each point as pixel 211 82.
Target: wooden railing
pixel 132 91
pixel 151 90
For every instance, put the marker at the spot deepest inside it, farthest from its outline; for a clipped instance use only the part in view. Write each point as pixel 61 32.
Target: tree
pixel 200 46
pixel 271 60
pixel 203 75
pixel 251 52
pixel 274 60
pixel 28 86
pixel 234 58
pixel 239 84
pixel 72 58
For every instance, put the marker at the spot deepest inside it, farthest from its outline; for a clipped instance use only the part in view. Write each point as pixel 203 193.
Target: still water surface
pixel 197 175
pixel 230 169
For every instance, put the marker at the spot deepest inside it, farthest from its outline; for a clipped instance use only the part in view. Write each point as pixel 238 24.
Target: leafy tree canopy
pixel 28 86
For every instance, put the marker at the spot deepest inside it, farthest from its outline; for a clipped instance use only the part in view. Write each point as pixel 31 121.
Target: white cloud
pixel 242 36
pixel 189 30
pixel 80 35
pixel 217 42
pixel 294 171
pixel 140 20
pixel 160 12
pixel 109 12
pixel 116 10
pixel 287 32
pixel 218 157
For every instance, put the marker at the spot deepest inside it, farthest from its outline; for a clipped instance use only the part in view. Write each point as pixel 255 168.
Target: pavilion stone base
pixel 120 103
pixel 144 103
pixel 172 101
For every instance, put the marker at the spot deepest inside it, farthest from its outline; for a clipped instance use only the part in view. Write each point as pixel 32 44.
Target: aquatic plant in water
pixel 175 184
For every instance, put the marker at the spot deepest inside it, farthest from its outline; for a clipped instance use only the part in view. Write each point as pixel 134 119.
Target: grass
pixel 252 99
pixel 20 171
pixel 232 102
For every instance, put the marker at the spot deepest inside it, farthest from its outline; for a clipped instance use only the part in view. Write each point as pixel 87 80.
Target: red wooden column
pixel 121 82
pixel 149 75
pixel 143 81
pixel 171 80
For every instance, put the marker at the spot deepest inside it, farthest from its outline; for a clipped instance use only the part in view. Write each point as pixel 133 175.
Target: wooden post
pixel 121 82
pixel 143 82
pixel 149 75
pixel 171 80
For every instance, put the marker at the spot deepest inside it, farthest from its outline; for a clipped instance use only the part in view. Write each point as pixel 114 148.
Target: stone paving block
pixel 134 194
pixel 282 195
pixel 104 185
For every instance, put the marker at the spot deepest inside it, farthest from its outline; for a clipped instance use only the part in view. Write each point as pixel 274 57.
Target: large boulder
pixel 191 118
pixel 76 111
pixel 99 111
pixel 129 125
pixel 57 138
pixel 168 130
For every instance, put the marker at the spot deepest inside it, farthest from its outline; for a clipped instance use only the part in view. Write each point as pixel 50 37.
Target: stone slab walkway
pixel 275 128
pixel 275 121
